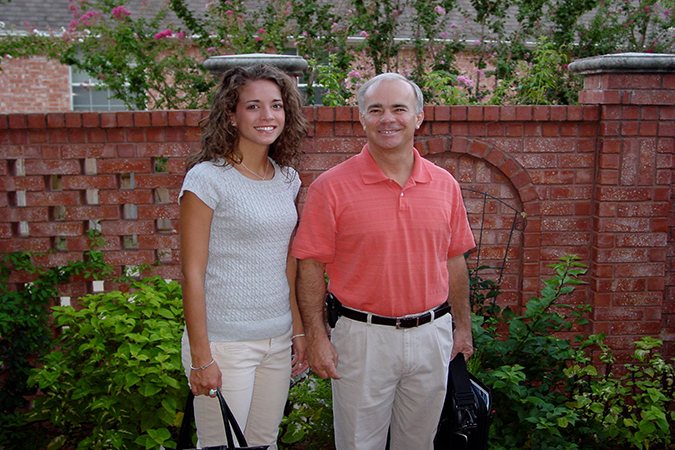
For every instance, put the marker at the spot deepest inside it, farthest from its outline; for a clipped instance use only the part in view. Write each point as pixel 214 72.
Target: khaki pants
pixel 256 379
pixel 390 377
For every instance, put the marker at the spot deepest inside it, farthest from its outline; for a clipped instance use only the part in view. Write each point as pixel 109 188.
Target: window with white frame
pixel 86 97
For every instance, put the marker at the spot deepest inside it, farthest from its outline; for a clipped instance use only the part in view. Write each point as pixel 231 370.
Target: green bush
pixel 309 415
pixel 115 379
pixel 25 335
pixel 548 395
pixel 634 410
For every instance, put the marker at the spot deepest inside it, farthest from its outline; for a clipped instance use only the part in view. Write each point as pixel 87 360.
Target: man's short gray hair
pixel 360 96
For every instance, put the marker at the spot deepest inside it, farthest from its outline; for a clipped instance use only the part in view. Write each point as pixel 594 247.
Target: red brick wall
pixel 595 180
pixel 34 84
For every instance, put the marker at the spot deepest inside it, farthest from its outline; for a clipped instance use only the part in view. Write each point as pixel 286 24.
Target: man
pixel 389 229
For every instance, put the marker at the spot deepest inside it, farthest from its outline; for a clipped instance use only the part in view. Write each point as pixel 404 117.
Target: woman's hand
pixel 203 381
pixel 299 361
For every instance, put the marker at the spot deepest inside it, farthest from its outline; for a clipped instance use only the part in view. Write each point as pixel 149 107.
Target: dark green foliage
pixel 309 416
pixel 24 317
pixel 115 379
pixel 548 395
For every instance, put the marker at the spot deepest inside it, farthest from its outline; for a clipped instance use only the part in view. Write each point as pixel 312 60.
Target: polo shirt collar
pixel 371 172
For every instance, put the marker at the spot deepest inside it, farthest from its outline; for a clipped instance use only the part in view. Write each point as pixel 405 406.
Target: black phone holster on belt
pixel 332 309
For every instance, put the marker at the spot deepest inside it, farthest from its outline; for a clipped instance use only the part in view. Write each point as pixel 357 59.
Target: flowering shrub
pixel 149 62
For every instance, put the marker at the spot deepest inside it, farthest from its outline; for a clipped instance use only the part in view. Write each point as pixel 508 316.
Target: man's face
pixel 390 120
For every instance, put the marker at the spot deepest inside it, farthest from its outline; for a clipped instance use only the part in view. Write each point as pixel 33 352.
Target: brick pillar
pixel 632 238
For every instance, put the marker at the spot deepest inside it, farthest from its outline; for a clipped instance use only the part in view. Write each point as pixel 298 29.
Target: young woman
pixel 237 215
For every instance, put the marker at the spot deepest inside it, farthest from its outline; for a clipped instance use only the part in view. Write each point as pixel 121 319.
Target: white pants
pixel 256 379
pixel 390 378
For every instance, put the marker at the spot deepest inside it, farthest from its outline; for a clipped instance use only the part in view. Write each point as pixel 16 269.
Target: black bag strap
pixel 466 413
pixel 459 375
pixel 185 435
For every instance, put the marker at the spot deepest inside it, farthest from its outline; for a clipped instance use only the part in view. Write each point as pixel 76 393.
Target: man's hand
pixel 463 343
pixel 323 358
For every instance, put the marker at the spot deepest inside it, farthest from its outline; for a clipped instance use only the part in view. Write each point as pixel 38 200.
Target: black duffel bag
pixel 465 418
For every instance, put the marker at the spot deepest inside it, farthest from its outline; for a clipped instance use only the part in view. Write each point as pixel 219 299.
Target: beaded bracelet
pixel 203 367
pixel 297 335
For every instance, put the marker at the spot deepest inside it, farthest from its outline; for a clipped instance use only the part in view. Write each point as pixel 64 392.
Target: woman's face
pixel 259 115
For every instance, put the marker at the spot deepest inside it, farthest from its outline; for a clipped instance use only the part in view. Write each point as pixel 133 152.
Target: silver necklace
pixel 267 166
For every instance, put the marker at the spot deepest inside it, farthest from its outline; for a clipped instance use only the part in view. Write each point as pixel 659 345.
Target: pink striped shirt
pixel 385 246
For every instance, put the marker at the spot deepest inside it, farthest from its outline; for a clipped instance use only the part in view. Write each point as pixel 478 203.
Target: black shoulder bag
pixel 465 418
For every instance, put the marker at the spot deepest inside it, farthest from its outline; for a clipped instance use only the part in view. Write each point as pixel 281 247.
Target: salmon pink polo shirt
pixel 385 247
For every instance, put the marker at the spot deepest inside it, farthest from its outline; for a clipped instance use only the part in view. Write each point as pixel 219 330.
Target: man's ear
pixel 361 119
pixel 420 119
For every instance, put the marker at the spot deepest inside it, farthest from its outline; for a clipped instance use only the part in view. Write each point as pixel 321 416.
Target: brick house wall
pixel 35 84
pixel 594 180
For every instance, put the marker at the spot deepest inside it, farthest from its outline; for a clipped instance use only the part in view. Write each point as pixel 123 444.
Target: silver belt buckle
pixel 398 323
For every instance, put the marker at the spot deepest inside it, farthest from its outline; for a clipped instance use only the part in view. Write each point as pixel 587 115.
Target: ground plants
pixel 549 395
pixel 308 423
pixel 25 333
pixel 634 410
pixel 115 378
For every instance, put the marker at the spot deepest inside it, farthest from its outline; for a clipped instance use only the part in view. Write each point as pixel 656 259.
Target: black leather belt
pixel 398 322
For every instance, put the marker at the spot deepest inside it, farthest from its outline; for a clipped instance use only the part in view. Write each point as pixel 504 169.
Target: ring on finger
pixel 212 392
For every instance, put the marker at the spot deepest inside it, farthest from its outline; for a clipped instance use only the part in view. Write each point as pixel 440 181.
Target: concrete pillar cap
pixel 624 63
pixel 291 64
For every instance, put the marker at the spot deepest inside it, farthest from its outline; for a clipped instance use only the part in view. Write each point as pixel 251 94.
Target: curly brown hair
pixel 220 137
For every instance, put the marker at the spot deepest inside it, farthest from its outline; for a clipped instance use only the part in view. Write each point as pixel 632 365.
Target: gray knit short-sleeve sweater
pixel 246 288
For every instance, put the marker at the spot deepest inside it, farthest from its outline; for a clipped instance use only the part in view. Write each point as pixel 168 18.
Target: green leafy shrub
pixel 523 361
pixel 115 380
pixel 549 395
pixel 25 335
pixel 308 422
pixel 634 410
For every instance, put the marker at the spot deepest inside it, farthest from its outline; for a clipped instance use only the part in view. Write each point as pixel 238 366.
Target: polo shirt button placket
pixel 402 202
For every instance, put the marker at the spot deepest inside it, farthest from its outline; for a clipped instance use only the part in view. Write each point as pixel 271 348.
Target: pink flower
pixel 647 9
pixel 257 39
pixel 444 35
pixel 211 50
pixel 163 34
pixel 240 20
pixel 354 74
pixel 229 12
pixel 466 81
pixel 364 33
pixel 180 35
pixel 261 31
pixel 439 9
pixel 396 13
pixel 120 12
